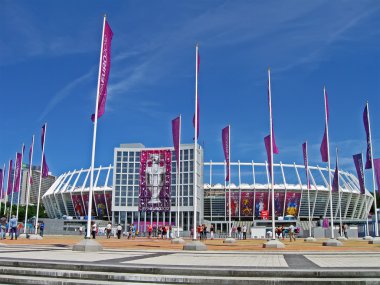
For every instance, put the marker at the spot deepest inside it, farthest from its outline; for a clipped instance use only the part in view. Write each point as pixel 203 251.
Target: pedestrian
pixel 345 228
pixel 108 229
pixel 204 232
pixel 170 232
pixel 291 230
pixel 80 230
pixel 94 229
pixel 133 230
pixel 119 230
pixel 244 232
pixel 239 231
pixel 212 231
pixel 13 226
pixel 163 232
pixel 42 228
pixel 150 229
pixel 3 224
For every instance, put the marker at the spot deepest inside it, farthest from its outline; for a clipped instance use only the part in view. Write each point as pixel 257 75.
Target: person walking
pixel 94 229
pixel 345 228
pixel 13 226
pixel 108 229
pixel 244 232
pixel 42 228
pixel 119 230
pixel 239 231
pixel 212 231
pixel 291 232
pixel 150 229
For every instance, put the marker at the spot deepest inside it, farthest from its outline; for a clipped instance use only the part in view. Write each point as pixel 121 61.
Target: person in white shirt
pixel 108 229
pixel 94 229
pixel 119 230
pixel 244 232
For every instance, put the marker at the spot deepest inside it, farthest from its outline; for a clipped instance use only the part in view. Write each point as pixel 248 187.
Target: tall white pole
pixel 178 172
pixel 13 185
pixel 340 203
pixel 308 186
pixel 271 154
pixel 94 139
pixel 328 164
pixel 6 192
pixel 195 180
pixel 373 174
pixel 366 202
pixel 2 186
pixel 28 184
pixel 229 180
pixel 40 182
pixel 19 185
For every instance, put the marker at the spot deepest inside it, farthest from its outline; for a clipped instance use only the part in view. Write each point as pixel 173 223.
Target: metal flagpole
pixel 28 184
pixel 94 139
pixel 2 186
pixel 366 202
pixel 195 180
pixel 6 192
pixel 178 173
pixel 19 185
pixel 229 181
pixel 328 164
pixel 308 186
pixel 40 182
pixel 340 203
pixel 13 185
pixel 373 175
pixel 271 154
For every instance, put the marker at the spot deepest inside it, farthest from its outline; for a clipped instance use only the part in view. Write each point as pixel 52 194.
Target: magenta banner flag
pixel 368 163
pixel 306 163
pixel 226 149
pixel 155 180
pixel 358 161
pixel 197 111
pixel 104 71
pixel 45 168
pixel 267 147
pixel 1 183
pixel 10 178
pixel 176 130
pixel 324 148
pixel 18 172
pixel 335 184
pixel 376 165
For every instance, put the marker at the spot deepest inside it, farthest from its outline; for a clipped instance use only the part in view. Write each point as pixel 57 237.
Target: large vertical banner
pixel 100 203
pixel 108 197
pixel 278 203
pixel 246 204
pixel 85 199
pixel 155 180
pixel 292 203
pixel 78 205
pixel 234 204
pixel 261 203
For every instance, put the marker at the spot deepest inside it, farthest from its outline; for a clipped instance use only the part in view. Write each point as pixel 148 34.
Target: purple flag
pixel 368 163
pixel 358 160
pixel 10 178
pixel 104 71
pixel 45 168
pixel 198 65
pixel 1 183
pixel 335 184
pixel 226 149
pixel 267 147
pixel 376 165
pixel 176 130
pixel 18 172
pixel 306 163
pixel 324 149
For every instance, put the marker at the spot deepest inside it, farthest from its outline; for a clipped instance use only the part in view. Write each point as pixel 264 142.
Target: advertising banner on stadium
pixel 261 202
pixel 246 204
pixel 78 205
pixel 292 203
pixel 85 200
pixel 278 203
pixel 234 204
pixel 155 180
pixel 100 203
pixel 109 203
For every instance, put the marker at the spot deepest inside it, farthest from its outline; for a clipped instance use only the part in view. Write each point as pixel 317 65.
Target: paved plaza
pixel 52 261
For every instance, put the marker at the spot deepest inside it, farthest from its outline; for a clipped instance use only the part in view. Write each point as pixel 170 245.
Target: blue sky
pixel 49 55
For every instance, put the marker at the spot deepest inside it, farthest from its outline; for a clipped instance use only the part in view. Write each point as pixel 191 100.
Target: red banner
pixel 261 202
pixel 78 205
pixel 155 180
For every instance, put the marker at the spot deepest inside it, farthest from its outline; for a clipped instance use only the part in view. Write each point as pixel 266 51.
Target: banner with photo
pixel 292 203
pixel 246 204
pixel 278 203
pixel 234 204
pixel 100 203
pixel 261 202
pixel 85 200
pixel 108 197
pixel 155 180
pixel 78 205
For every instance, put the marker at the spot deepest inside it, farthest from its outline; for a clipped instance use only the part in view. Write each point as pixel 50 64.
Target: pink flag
pixel 368 163
pixel 1 183
pixel 176 131
pixel 267 147
pixel 226 149
pixel 306 163
pixel 16 187
pixel 10 178
pixel 104 70
pixel 358 161
pixel 45 168
pixel 324 149
pixel 197 97
pixel 376 165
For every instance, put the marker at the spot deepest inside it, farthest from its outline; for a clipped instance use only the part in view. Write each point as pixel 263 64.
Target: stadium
pixel 117 192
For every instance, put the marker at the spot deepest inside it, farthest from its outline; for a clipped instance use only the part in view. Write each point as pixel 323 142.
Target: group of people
pixel 14 228
pixel 291 231
pixel 240 232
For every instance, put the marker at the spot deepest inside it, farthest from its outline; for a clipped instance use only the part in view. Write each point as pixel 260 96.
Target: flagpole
pixel 40 182
pixel 178 172
pixel 271 154
pixel 328 164
pixel 94 139
pixel 373 175
pixel 229 180
pixel 6 193
pixel 28 184
pixel 340 203
pixel 308 186
pixel 195 146
pixel 366 202
pixel 2 186
pixel 20 182
pixel 13 185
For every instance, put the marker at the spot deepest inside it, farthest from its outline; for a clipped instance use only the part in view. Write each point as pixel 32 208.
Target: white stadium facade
pixel 118 191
